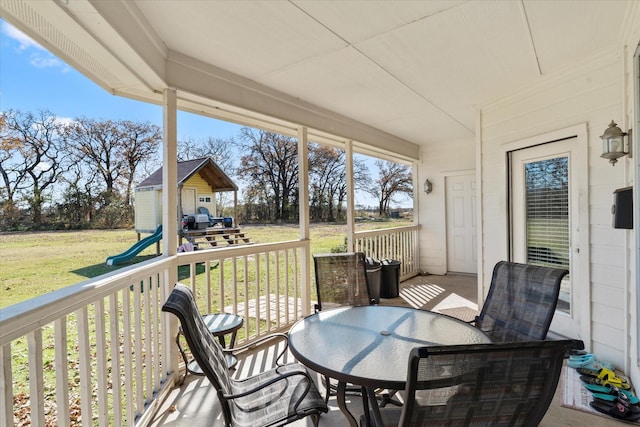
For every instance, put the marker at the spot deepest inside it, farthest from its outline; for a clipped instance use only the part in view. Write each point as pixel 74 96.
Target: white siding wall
pixel 439 161
pixel 591 94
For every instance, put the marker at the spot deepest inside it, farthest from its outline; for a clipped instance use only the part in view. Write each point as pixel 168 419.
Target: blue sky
pixel 32 79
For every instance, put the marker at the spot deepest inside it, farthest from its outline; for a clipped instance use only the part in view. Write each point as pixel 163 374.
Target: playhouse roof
pixel 206 167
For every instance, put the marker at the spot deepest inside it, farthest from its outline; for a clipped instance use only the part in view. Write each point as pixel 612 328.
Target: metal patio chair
pixel 505 384
pixel 521 302
pixel 272 398
pixel 341 280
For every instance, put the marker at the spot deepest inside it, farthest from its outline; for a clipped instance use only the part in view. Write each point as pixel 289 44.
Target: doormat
pixel 576 396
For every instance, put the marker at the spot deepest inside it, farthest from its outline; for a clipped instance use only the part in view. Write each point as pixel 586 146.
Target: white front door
pixel 546 222
pixel 188 201
pixel 461 224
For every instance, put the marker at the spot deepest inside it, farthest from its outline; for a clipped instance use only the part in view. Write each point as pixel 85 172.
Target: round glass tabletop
pixel 370 345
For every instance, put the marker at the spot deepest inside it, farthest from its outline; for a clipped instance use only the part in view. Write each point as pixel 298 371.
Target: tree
pixel 271 171
pixel 328 181
pixel 30 158
pixel 393 178
pixel 139 143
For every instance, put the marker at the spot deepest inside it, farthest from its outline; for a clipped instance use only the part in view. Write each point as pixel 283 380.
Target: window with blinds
pixel 547 222
pixel 547 210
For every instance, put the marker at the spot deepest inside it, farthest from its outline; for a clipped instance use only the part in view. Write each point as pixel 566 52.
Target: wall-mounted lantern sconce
pixel 614 145
pixel 427 186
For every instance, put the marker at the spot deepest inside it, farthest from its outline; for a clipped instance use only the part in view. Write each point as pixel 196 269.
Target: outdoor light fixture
pixel 613 143
pixel 427 186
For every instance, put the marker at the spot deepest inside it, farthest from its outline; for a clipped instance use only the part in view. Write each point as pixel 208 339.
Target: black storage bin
pixel 227 222
pixel 390 278
pixel 374 278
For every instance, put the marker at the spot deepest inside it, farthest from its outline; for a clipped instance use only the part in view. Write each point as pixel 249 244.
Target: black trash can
pixel 390 278
pixel 374 278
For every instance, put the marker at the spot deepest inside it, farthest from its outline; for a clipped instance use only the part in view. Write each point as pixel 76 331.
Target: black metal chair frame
pixel 275 397
pixel 521 302
pixel 504 384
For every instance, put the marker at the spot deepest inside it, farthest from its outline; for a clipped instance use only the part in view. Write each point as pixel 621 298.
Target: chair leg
pixel 327 389
pixel 315 419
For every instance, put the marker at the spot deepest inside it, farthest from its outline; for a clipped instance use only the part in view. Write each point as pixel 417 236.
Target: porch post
pixel 169 175
pixel 170 219
pixel 303 212
pixel 348 148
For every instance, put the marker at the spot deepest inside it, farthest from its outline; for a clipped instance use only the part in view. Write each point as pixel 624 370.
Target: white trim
pixel 480 210
pixel 635 88
pixel 581 162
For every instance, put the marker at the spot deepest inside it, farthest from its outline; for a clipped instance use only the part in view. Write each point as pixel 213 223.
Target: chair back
pixel 204 348
pixel 521 302
pixel 508 384
pixel 341 280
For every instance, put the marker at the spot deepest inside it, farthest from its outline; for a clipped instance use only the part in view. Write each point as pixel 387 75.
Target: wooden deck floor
pixel 195 402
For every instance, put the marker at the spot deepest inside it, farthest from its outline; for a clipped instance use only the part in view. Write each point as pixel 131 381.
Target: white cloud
pixel 39 57
pixel 64 120
pixel 24 42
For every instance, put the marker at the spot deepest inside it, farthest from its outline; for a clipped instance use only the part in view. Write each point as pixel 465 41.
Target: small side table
pixel 219 325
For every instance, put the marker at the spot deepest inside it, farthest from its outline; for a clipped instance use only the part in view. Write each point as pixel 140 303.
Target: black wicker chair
pixel 341 280
pixel 272 398
pixel 507 384
pixel 521 302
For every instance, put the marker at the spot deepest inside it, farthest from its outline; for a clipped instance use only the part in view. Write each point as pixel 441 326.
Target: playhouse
pixel 198 182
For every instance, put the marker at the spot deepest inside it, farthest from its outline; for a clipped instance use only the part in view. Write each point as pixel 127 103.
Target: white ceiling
pixel 402 70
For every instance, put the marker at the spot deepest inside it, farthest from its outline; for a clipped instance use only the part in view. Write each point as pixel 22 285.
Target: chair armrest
pixel 473 321
pixel 251 345
pixel 279 378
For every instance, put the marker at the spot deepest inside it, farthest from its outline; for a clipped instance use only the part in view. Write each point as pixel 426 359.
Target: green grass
pixel 33 264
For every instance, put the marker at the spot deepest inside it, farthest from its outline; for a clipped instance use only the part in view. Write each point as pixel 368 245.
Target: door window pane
pixel 547 201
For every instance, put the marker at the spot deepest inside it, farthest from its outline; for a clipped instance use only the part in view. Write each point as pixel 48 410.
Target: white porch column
pixel 170 220
pixel 351 228
pixel 303 211
pixel 169 175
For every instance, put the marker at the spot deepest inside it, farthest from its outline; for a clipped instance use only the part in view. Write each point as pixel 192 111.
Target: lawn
pixel 33 264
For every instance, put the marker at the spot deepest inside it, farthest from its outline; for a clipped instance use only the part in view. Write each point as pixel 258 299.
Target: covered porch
pixel 457 89
pixel 194 402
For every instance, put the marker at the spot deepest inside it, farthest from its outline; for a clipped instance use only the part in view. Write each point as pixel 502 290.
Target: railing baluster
pixel 146 361
pixel 6 386
pixel 245 281
pixel 286 289
pixel 259 297
pixel 267 286
pixel 36 376
pixel 222 296
pixel 128 355
pixel 62 371
pixel 276 260
pixel 101 363
pixel 84 364
pixel 137 347
pixel 207 281
pixel 114 336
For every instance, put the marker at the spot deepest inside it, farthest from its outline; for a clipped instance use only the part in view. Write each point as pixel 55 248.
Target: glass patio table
pixel 369 346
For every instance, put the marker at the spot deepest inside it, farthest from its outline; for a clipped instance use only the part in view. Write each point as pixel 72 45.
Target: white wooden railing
pixel 100 352
pixel 400 244
pixel 262 283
